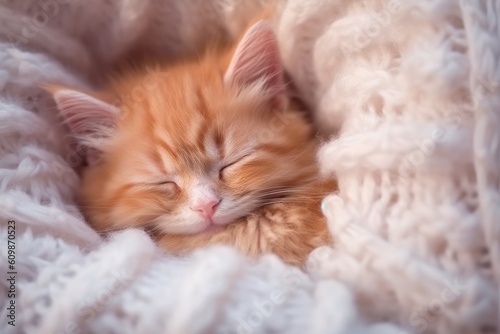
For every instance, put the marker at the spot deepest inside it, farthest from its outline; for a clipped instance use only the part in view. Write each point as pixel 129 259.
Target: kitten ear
pixel 89 119
pixel 256 59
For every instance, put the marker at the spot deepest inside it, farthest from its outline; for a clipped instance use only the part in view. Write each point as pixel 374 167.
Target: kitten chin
pixel 291 229
pixel 213 139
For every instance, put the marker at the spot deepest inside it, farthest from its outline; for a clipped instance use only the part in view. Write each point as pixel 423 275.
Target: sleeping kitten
pixel 206 151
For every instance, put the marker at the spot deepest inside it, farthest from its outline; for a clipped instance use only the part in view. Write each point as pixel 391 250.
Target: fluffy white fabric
pixel 412 86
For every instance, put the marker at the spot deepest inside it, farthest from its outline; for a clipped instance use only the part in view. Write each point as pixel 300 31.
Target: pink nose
pixel 206 208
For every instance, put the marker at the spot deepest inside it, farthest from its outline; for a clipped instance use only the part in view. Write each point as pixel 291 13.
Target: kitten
pixel 204 151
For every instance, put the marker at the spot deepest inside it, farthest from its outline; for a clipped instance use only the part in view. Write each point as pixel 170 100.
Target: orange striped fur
pixel 182 124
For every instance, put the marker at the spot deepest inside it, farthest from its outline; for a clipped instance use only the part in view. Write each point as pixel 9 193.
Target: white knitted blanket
pixel 409 87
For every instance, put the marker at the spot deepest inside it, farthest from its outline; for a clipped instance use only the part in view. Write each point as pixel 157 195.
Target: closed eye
pixel 165 185
pixel 231 164
pixel 161 183
pixel 168 185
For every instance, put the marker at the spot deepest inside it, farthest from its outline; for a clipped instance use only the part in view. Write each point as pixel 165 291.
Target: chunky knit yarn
pixel 409 92
pixel 412 86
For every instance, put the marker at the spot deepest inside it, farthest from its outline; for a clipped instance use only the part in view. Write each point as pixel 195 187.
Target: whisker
pixel 298 197
pixel 291 195
pixel 292 199
pixel 279 193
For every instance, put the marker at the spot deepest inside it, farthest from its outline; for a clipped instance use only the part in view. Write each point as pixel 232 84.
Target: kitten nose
pixel 206 208
pixel 204 200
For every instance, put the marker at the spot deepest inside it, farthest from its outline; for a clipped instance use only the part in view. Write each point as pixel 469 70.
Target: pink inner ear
pixel 257 58
pixel 85 114
pixel 88 118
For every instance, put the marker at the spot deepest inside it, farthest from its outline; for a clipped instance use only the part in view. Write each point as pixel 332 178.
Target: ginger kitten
pixel 204 151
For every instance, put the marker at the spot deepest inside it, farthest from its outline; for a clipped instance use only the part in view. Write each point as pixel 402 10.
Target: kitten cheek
pixel 230 211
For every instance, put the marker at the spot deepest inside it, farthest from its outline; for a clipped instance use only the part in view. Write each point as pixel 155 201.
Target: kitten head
pixel 194 145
